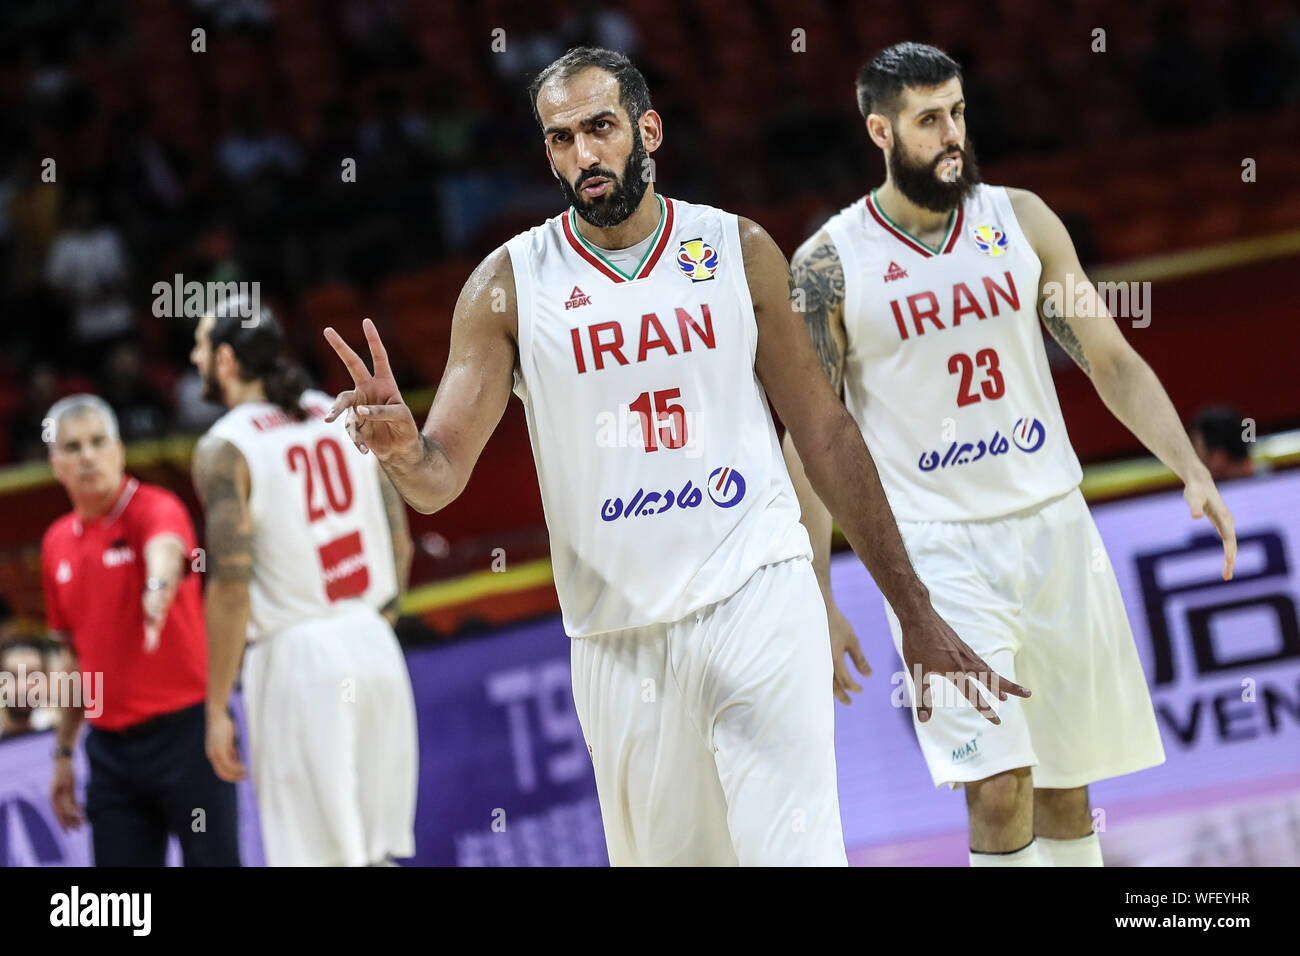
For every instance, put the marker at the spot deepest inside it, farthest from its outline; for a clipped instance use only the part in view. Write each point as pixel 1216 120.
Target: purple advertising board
pixel 506 779
pixel 1222 659
pixel 29 833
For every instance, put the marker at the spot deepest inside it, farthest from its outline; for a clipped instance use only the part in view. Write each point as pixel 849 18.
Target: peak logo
pixel 576 298
pixel 726 488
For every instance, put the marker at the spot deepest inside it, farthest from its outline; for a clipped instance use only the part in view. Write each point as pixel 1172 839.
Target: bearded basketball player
pixel 923 299
pixel 700 653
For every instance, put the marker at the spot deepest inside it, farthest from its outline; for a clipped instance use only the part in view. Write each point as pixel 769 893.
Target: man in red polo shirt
pixel 121 598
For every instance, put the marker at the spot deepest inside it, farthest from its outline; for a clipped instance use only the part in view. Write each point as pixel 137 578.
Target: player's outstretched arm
pixel 844 476
pixel 431 467
pixel 222 481
pixel 819 292
pixel 1078 319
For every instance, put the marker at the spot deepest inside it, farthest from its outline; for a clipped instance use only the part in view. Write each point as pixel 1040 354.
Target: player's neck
pixel 91 507
pixel 238 393
pixel 636 227
pixel 907 215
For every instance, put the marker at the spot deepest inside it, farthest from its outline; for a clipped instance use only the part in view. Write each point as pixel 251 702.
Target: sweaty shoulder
pixel 759 249
pixel 488 295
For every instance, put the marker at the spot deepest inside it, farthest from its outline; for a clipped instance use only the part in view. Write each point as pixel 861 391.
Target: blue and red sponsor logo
pixel 726 487
pixel 1028 435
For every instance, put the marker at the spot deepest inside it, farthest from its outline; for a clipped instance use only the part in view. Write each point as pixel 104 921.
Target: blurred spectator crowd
pixel 229 164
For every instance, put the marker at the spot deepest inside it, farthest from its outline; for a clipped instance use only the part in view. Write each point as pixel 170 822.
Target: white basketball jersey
pixel 321 540
pixel 945 370
pixel 661 476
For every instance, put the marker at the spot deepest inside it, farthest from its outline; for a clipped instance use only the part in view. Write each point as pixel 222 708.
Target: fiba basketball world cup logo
pixel 989 240
pixel 697 259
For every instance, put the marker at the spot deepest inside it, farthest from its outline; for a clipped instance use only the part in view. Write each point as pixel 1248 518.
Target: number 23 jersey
pixel 945 370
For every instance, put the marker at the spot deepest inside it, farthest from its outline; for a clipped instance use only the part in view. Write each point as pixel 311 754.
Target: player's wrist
pixel 1196 473
pixel 915 606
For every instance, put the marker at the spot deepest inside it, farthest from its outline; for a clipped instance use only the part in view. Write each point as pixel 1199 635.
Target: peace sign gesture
pixel 379 421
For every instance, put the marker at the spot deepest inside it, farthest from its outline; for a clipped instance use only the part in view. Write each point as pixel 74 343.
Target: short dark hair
pixel 633 94
pixel 1220 428
pixel 883 78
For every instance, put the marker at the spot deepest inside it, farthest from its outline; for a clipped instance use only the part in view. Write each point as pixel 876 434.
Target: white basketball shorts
pixel 1035 596
pixel 713 737
pixel 331 722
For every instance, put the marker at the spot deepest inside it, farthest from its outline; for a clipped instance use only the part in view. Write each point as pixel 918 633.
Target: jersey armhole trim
pixel 1007 212
pixel 838 235
pixel 731 227
pixel 517 247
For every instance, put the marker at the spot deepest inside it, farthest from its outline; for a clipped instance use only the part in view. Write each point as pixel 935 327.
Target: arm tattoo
pixel 819 276
pixel 1059 326
pixel 229 524
pixel 399 530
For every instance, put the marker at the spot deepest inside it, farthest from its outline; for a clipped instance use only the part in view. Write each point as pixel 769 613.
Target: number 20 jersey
pixel 945 370
pixel 661 476
pixel 320 538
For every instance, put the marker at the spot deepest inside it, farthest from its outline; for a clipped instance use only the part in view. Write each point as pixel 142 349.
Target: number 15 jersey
pixel 945 370
pixel 662 479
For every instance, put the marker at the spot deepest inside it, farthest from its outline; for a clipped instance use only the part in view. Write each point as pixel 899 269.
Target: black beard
pixel 212 390
pixel 920 184
pixel 622 197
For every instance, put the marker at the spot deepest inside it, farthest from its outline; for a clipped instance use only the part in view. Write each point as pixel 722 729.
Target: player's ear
pixel 652 130
pixel 880 130
pixel 226 362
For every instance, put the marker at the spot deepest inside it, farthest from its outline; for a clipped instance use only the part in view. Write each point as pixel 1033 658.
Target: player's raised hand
pixel 845 641
pixel 930 646
pixel 1203 498
pixel 379 420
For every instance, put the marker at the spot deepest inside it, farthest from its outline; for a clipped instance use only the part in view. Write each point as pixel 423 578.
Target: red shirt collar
pixel 124 494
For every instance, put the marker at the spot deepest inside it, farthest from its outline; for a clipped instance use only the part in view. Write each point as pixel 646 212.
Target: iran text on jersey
pixel 661 477
pixel 945 369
